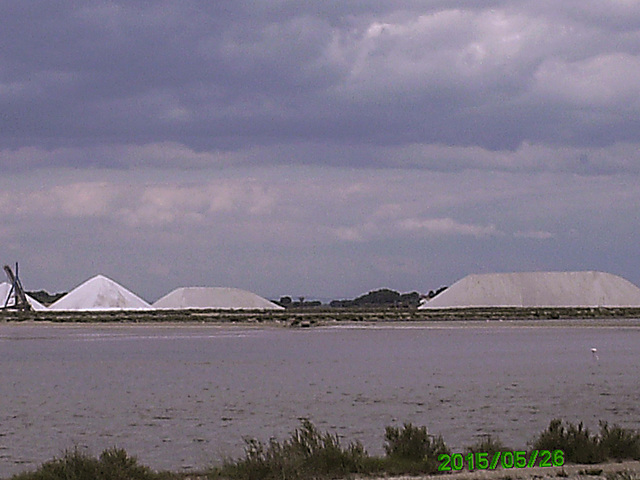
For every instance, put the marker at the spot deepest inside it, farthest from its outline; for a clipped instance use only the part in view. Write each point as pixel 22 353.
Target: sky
pixel 320 149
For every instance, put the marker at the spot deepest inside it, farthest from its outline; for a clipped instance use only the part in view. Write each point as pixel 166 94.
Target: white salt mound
pixel 100 293
pixel 539 289
pixel 214 298
pixel 5 289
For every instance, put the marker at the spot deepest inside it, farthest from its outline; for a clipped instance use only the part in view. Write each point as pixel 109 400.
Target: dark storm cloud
pixel 233 75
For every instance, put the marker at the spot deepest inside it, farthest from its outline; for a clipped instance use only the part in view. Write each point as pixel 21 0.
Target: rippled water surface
pixel 184 397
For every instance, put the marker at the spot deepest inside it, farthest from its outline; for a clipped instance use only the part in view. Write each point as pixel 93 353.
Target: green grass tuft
pixel 619 443
pixel 411 449
pixel 113 464
pixel 308 453
pixel 578 445
pixel 489 445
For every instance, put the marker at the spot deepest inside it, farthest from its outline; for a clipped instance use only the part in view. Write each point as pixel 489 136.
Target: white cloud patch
pixel 298 226
pixel 155 205
pixel 83 199
pixel 457 50
pixel 607 80
pixel 349 234
pixel 535 234
pixel 447 226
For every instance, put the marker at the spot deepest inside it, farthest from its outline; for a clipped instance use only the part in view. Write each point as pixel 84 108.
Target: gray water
pixel 183 397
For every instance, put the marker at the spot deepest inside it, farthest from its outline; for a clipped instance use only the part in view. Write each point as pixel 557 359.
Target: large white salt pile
pixel 5 290
pixel 214 298
pixel 539 289
pixel 100 293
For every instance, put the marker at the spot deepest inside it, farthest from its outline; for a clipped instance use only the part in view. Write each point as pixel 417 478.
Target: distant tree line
pixel 382 297
pixel 288 302
pixel 433 293
pixel 45 297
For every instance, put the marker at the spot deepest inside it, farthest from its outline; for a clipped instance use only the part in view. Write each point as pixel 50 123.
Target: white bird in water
pixel 594 352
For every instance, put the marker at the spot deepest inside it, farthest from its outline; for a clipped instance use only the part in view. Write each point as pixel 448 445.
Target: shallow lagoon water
pixel 183 397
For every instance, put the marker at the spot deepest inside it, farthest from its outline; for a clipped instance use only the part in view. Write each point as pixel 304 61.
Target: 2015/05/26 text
pixel 485 461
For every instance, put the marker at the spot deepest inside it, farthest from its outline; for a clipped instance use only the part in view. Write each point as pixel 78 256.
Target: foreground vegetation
pixel 311 454
pixel 113 464
pixel 330 316
pixel 580 446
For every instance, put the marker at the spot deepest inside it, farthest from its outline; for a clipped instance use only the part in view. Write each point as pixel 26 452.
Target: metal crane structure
pixel 16 299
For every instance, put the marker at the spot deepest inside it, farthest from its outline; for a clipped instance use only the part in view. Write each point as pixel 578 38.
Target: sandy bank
pixel 567 472
pixel 572 472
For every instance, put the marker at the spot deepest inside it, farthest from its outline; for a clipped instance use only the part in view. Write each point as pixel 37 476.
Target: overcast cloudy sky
pixel 317 148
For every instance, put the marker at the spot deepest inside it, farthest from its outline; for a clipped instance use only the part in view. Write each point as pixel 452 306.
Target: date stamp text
pixel 485 461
